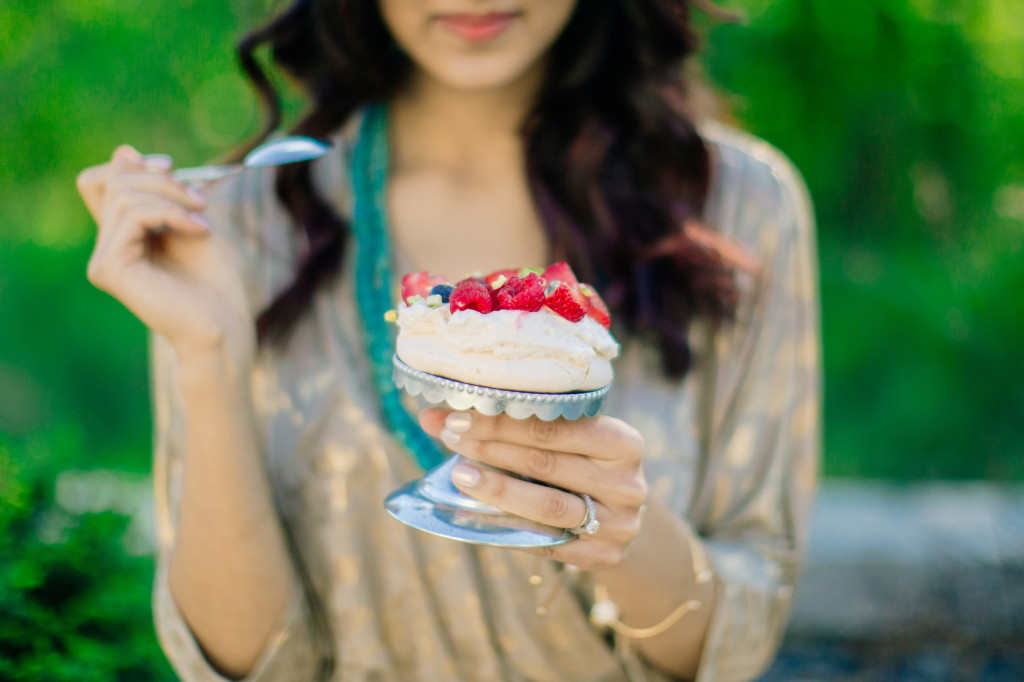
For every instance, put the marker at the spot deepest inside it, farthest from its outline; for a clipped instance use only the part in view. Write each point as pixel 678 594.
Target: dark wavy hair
pixel 616 166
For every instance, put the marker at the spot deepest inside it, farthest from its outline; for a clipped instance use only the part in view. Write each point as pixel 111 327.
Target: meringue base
pixel 533 374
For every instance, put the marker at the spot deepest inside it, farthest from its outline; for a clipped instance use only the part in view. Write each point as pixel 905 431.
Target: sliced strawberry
pixel 566 300
pixel 471 294
pixel 420 284
pixel 598 310
pixel 560 271
pixel 522 293
pixel 507 274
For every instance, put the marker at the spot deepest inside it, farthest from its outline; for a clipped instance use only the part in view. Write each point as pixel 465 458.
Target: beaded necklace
pixel 369 177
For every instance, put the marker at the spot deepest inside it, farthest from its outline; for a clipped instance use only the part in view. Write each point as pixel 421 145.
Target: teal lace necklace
pixel 373 280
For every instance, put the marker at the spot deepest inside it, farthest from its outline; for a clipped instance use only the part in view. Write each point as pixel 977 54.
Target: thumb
pixel 126 152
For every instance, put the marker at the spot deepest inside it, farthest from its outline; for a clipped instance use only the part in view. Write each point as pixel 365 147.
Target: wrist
pixel 662 595
pixel 666 543
pixel 201 366
pixel 205 339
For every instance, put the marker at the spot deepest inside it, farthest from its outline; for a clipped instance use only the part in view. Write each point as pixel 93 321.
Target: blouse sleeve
pixel 291 652
pixel 761 434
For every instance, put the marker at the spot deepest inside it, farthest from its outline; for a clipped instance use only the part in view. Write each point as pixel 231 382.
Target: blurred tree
pixel 906 118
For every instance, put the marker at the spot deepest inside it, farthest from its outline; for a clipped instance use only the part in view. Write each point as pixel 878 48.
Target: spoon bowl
pixel 285 150
pixel 274 153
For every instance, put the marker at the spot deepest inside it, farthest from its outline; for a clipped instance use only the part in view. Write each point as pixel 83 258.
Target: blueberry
pixel 443 290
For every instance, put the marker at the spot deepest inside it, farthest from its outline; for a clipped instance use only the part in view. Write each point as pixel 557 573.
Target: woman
pixel 520 132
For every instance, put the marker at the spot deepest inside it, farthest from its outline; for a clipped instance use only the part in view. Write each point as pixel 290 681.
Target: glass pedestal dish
pixel 434 505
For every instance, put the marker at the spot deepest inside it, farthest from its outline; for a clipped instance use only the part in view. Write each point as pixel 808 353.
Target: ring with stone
pixel 589 524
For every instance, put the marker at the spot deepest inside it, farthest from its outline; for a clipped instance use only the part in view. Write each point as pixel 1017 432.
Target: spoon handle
pixel 205 173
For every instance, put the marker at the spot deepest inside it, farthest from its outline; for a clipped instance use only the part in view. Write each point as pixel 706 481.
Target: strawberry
pixel 497 274
pixel 560 271
pixel 522 293
pixel 420 284
pixel 471 294
pixel 598 310
pixel 566 300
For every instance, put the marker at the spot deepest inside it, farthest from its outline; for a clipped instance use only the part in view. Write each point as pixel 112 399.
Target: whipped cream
pixel 510 349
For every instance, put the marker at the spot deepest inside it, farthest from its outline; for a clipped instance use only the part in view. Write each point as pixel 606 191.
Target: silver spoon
pixel 274 153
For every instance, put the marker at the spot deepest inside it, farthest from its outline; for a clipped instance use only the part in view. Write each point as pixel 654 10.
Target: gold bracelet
pixel 605 612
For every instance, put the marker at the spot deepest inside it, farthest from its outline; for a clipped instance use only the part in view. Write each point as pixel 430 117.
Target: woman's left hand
pixel 597 456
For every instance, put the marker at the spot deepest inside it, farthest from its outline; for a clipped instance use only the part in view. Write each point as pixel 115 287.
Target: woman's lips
pixel 478 28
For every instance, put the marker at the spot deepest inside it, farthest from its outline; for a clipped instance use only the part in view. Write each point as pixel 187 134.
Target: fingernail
pixel 450 438
pixel 459 421
pixel 195 195
pixel 466 476
pixel 202 221
pixel 157 162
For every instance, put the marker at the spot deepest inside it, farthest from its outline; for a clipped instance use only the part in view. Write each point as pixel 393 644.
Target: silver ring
pixel 589 524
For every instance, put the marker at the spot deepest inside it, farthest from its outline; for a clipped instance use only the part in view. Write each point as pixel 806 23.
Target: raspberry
pixel 507 274
pixel 420 284
pixel 560 271
pixel 566 300
pixel 471 294
pixel 598 310
pixel 522 293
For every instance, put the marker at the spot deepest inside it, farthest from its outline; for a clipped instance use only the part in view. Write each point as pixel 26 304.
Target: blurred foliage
pixel 73 606
pixel 905 116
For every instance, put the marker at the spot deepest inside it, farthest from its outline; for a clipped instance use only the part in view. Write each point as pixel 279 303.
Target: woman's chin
pixel 479 73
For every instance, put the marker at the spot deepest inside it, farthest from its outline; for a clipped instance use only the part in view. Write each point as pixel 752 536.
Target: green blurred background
pixel 905 116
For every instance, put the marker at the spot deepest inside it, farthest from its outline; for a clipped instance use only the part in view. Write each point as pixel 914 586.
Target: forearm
pixel 230 572
pixel 655 579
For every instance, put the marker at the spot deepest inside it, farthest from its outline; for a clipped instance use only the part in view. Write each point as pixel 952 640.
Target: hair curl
pixel 615 163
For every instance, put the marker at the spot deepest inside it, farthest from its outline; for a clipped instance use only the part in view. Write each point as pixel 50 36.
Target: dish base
pixel 434 505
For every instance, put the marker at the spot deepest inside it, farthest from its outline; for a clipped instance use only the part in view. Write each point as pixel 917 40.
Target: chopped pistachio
pixel 526 271
pixel 499 283
pixel 435 301
pixel 391 316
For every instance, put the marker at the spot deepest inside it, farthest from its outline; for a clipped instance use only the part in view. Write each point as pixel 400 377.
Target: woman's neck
pixel 459 131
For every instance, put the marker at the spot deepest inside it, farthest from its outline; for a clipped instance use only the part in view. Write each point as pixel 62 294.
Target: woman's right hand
pixel 154 252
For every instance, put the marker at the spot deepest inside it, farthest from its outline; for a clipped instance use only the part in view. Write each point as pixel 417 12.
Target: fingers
pixel 590 554
pixel 564 470
pixel 129 192
pixel 126 152
pixel 529 500
pixel 602 438
pixel 135 204
pixel 620 487
pixel 132 213
pixel 122 243
pixel 158 184
pixel 600 457
pixel 93 182
pixel 556 508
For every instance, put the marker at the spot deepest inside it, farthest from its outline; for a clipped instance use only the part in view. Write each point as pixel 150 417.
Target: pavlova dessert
pixel 518 330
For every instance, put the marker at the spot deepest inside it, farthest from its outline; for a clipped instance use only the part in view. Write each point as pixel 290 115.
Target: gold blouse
pixel 733 448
